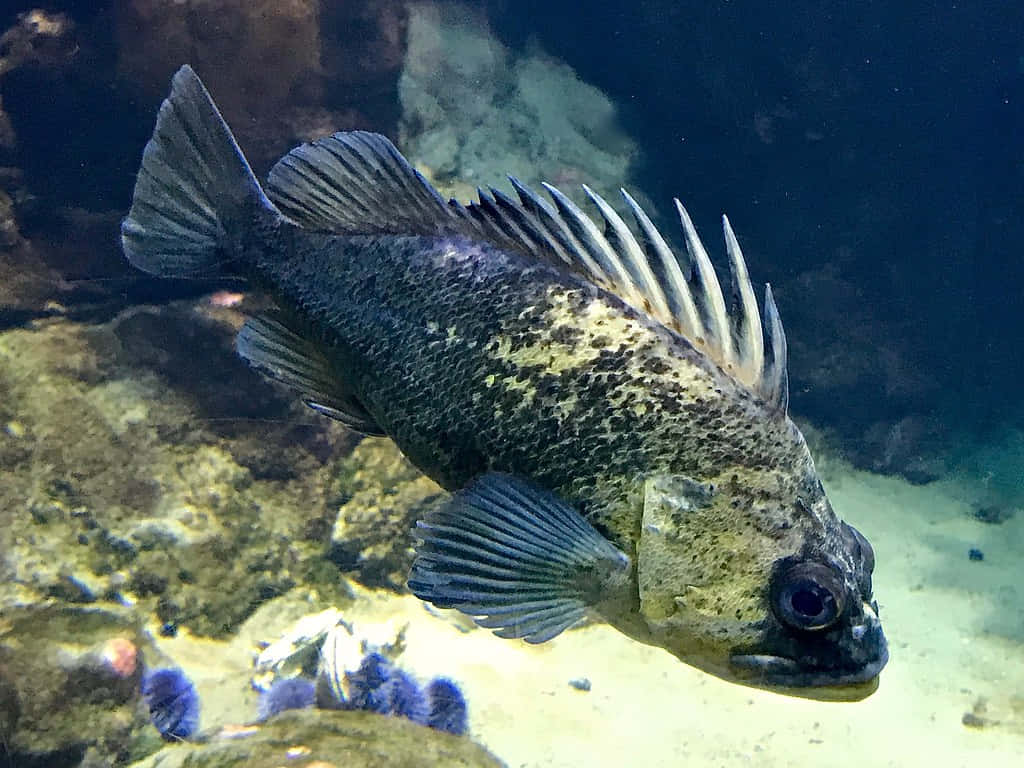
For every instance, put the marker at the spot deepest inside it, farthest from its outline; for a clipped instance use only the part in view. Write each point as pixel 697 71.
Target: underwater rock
pixel 340 739
pixel 993 514
pixel 580 684
pixel 249 51
pixel 284 71
pixel 69 685
pixel 490 111
pixel 381 496
pixel 100 67
pixel 26 282
pixel 129 473
pixel 37 37
pixel 56 222
pixel 844 346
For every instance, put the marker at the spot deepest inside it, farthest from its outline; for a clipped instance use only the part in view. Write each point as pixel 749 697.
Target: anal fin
pixel 280 353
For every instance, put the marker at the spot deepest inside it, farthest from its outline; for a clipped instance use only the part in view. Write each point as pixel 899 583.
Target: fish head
pixel 752 577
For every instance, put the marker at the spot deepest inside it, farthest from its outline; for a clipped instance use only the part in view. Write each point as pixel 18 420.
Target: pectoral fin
pixel 515 557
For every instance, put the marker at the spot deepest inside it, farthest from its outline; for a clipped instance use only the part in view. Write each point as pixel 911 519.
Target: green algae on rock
pixel 69 684
pixel 127 476
pixel 327 738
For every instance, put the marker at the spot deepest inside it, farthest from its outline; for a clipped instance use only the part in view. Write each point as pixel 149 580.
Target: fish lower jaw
pixel 780 672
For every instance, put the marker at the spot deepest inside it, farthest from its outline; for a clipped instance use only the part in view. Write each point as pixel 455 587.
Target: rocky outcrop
pixel 69 685
pixel 281 72
pixel 328 739
pixel 134 467
pixel 380 496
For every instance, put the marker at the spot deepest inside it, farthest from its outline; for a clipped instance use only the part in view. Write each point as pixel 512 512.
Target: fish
pixel 612 425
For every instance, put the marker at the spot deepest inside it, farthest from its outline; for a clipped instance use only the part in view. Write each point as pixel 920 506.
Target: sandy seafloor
pixel 956 632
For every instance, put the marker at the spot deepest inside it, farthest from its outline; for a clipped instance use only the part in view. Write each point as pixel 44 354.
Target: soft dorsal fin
pixel 359 183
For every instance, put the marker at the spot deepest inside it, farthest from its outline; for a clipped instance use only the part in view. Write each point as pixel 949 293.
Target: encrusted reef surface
pixel 152 486
pixel 327 739
pixel 135 468
pixel 69 685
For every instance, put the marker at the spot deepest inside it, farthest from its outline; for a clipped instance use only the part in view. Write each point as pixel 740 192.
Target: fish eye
pixel 808 596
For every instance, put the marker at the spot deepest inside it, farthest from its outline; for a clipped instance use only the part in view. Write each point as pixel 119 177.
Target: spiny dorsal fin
pixel 649 278
pixel 358 183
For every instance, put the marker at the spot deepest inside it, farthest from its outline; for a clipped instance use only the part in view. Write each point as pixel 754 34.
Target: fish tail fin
pixel 195 195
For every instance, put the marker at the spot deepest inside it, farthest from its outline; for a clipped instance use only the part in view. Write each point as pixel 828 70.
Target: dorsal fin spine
pixel 748 338
pixel 592 239
pixel 677 290
pixel 775 385
pixel 635 261
pixel 570 242
pixel 522 218
pixel 545 217
pixel 708 293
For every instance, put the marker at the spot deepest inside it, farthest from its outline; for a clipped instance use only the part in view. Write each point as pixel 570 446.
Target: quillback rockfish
pixel 615 432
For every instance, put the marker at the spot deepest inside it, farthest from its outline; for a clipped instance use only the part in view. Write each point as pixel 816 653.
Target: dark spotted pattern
pixel 473 359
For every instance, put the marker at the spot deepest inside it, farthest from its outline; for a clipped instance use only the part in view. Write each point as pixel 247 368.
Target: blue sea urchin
pixel 447 707
pixel 173 703
pixel 290 693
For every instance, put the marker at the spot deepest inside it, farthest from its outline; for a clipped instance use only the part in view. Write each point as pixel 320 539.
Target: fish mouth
pixel 765 670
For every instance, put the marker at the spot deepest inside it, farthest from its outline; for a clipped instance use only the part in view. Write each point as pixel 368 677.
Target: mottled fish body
pixel 616 438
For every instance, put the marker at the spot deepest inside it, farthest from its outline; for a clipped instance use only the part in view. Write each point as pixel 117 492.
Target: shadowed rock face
pixel 289 71
pixel 69 679
pixel 131 468
pixel 343 739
